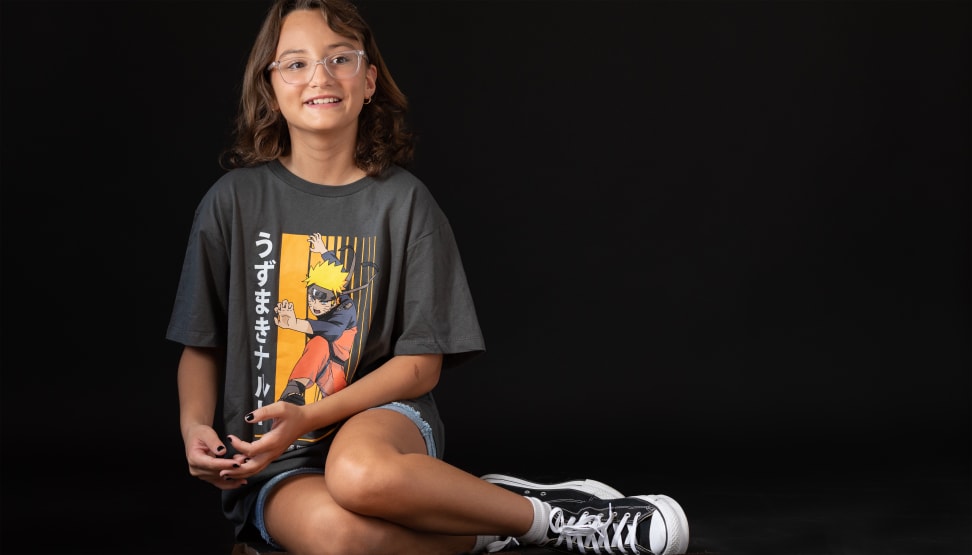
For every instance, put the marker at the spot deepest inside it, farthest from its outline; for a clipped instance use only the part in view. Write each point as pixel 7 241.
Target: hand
pixel 205 454
pixel 286 317
pixel 289 423
pixel 317 243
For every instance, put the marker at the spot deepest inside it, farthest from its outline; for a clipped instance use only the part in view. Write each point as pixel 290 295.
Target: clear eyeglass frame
pixel 299 70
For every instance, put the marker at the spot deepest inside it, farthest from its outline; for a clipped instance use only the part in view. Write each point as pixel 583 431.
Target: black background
pixel 711 243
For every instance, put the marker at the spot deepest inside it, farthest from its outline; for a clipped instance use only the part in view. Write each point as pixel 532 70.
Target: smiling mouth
pixel 324 101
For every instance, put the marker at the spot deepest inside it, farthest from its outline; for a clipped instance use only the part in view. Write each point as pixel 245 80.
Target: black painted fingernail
pixel 220 449
pixel 246 460
pixel 235 465
pixel 248 417
pixel 229 439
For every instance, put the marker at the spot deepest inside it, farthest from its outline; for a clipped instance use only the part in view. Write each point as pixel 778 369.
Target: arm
pixel 198 382
pixel 402 377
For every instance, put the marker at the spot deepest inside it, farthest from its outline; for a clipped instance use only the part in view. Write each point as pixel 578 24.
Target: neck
pixel 323 160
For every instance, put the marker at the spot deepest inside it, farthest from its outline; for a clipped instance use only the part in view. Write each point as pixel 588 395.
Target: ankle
pixel 482 542
pixel 541 521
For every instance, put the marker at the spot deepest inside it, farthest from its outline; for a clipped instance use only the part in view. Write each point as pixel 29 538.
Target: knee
pixel 361 483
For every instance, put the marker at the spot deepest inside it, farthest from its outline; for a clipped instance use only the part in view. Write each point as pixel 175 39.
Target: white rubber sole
pixel 592 487
pixel 676 523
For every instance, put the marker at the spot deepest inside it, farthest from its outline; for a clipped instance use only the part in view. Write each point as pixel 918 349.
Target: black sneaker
pixel 574 491
pixel 643 524
pixel 578 493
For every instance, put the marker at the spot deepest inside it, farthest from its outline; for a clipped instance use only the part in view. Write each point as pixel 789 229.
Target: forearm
pixel 402 377
pixel 198 382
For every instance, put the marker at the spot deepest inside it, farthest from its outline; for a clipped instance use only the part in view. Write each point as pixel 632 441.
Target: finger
pixel 235 473
pixel 229 482
pixel 266 412
pixel 211 466
pixel 219 449
pixel 242 448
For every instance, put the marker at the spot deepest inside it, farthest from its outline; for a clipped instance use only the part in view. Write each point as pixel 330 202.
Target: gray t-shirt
pixel 371 268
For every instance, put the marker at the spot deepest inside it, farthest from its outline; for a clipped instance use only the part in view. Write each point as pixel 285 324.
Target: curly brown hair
pixel 261 133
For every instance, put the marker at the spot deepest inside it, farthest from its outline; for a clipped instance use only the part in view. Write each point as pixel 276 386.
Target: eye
pixel 341 59
pixel 294 64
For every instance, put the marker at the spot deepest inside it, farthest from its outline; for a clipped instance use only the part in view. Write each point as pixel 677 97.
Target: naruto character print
pixel 325 293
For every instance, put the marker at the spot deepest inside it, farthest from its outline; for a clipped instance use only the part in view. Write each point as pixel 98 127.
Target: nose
pixel 321 75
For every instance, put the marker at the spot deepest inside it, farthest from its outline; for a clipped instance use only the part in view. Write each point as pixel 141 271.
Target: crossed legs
pixel 382 493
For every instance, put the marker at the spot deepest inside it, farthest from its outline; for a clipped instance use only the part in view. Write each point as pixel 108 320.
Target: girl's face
pixel 325 104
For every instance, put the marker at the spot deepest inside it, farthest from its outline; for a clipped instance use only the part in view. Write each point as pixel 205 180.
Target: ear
pixel 371 81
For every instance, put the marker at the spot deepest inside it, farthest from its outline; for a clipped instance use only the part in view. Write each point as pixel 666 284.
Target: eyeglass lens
pixel 298 70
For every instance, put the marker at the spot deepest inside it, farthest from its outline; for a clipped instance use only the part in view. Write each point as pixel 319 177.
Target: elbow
pixel 427 371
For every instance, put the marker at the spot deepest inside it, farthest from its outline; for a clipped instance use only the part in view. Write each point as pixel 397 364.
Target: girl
pixel 321 295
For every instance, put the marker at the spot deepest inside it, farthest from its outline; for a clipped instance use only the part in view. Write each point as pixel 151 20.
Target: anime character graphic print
pixel 322 353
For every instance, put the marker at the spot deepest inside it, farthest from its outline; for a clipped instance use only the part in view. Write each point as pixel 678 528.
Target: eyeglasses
pixel 300 71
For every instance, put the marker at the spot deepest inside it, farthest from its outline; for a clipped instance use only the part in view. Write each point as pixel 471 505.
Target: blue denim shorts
pixel 408 408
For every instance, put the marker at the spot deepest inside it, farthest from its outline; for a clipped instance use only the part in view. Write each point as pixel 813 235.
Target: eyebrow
pixel 304 51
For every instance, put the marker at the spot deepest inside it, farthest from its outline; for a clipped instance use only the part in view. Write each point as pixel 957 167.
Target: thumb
pixel 202 438
pixel 218 448
pixel 215 445
pixel 207 440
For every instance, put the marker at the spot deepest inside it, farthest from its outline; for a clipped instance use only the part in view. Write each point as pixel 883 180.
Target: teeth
pixel 323 101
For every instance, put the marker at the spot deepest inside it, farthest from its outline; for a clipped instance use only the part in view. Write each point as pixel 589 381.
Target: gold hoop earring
pixel 367 101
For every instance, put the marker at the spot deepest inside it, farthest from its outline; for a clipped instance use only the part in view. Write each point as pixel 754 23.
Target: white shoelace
pixel 588 531
pixel 501 544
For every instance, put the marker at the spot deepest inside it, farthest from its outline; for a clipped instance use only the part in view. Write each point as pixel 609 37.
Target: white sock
pixel 482 542
pixel 541 522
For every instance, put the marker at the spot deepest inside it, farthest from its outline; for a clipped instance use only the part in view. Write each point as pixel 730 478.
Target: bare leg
pixel 381 492
pixel 303 518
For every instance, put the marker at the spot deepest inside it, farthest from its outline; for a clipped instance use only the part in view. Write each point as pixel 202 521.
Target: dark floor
pixel 884 514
